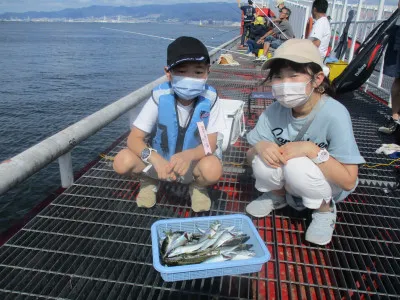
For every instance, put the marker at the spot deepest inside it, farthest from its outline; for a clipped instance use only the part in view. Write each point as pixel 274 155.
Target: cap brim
pixel 294 58
pixel 192 59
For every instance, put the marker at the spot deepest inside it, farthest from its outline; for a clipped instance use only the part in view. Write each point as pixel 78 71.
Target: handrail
pixel 20 167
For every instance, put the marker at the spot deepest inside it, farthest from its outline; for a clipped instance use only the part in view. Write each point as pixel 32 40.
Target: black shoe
pixel 390 126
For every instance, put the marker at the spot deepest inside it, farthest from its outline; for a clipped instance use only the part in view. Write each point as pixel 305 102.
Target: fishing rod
pixel 170 39
pixel 269 19
pixel 225 32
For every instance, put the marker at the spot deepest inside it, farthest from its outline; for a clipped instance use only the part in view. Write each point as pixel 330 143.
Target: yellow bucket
pixel 335 69
pixel 261 52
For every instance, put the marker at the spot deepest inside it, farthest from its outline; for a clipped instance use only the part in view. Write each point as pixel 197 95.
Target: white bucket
pixel 234 119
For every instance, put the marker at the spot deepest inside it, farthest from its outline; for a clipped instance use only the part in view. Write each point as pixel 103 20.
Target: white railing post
pixel 333 12
pixel 66 171
pixel 380 9
pixel 355 30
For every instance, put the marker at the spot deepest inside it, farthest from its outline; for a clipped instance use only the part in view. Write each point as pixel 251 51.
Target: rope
pixel 380 165
pixel 106 157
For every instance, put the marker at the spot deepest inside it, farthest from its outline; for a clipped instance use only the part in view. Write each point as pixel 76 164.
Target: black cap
pixel 250 2
pixel 185 49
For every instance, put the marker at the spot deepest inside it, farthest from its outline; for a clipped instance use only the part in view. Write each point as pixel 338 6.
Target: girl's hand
pixel 299 149
pixel 270 153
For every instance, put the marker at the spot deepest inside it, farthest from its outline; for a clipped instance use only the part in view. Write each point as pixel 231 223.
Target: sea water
pixel 54 74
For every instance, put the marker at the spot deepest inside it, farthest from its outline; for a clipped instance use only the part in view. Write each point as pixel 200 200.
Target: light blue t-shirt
pixel 330 129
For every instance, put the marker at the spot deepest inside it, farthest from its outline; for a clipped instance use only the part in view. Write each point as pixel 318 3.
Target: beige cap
pixel 296 50
pixel 279 2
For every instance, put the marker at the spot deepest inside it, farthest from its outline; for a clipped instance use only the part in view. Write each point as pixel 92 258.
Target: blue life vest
pixel 169 137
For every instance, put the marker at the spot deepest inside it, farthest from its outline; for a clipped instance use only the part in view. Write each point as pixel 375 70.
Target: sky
pixel 54 5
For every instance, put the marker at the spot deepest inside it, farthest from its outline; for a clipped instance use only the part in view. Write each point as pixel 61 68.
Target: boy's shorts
pixel 188 178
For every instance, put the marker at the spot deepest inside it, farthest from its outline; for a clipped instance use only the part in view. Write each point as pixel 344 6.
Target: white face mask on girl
pixel 188 88
pixel 291 94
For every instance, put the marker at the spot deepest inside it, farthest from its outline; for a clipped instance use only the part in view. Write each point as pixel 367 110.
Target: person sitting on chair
pixel 275 37
pixel 256 32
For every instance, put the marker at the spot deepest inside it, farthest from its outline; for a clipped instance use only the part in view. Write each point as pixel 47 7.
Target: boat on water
pixel 92 241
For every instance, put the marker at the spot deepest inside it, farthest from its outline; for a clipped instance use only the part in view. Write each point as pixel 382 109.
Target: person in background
pixel 279 4
pixel 256 32
pixel 171 117
pixel 249 13
pixel 275 37
pixel 321 30
pixel 303 152
pixel 391 68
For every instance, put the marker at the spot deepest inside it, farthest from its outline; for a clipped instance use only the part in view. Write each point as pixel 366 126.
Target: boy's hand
pixel 163 170
pixel 270 153
pixel 180 162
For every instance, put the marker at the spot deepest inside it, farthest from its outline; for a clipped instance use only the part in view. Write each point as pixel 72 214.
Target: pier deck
pixel 93 242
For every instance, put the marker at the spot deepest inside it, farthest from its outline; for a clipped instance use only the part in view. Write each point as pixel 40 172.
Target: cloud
pixel 53 5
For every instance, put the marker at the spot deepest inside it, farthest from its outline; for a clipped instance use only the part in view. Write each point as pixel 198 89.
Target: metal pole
pixel 380 78
pixel 333 12
pixel 380 9
pixel 66 172
pixel 355 30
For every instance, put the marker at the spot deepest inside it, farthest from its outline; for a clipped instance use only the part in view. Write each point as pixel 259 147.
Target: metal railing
pixel 20 167
pixel 299 17
pixel 367 17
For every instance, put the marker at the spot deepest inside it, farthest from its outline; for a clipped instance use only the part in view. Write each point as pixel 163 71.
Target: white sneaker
pixel 262 57
pixel 265 204
pixel 322 226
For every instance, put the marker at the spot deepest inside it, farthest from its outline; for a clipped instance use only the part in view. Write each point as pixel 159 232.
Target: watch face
pixel 145 153
pixel 323 155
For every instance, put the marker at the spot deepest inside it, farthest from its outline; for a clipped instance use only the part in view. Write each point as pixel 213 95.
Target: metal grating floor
pixel 93 242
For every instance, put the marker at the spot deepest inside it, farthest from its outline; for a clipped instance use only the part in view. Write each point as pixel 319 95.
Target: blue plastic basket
pixel 241 222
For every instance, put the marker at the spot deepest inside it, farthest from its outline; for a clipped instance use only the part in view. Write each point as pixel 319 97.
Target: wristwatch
pixel 146 153
pixel 323 156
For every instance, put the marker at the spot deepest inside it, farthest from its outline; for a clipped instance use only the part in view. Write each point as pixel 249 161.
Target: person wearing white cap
pixel 303 149
pixel 280 4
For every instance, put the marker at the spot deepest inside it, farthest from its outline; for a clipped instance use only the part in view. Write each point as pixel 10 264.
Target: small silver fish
pixel 177 242
pixel 217 258
pixel 186 249
pixel 244 254
pixel 225 237
pixel 210 232
pixel 216 236
pixel 236 248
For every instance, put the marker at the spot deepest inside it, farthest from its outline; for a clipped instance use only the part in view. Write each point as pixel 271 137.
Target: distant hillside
pixel 183 12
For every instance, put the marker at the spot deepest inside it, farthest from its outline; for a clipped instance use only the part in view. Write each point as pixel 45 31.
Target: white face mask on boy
pixel 188 88
pixel 291 94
